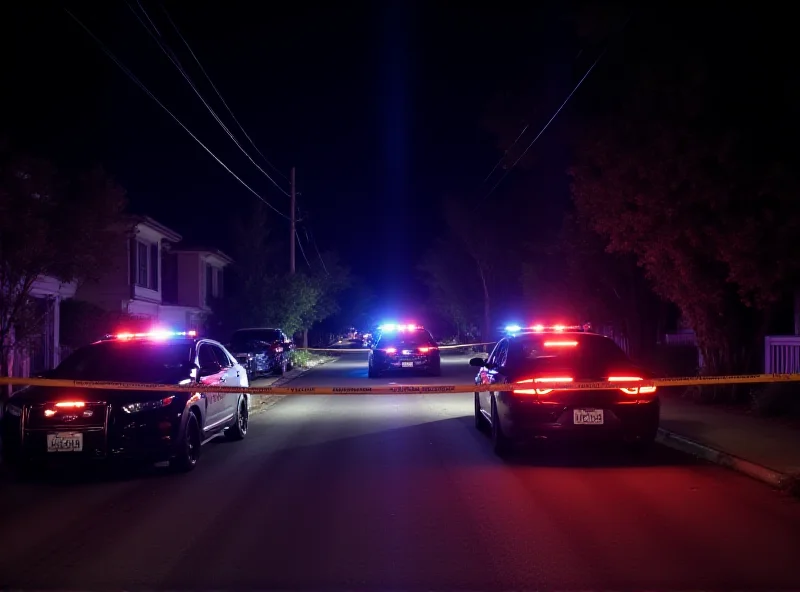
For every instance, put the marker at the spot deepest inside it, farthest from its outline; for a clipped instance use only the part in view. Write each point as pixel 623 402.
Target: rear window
pixel 247 336
pixel 569 349
pixel 409 339
pixel 127 361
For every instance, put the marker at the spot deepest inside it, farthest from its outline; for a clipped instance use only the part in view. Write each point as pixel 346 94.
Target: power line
pixel 203 70
pixel 524 129
pixel 302 251
pixel 142 86
pixel 164 46
pixel 569 96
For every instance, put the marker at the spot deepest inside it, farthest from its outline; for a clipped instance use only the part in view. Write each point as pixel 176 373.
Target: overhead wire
pixel 219 94
pixel 147 91
pixel 164 46
pixel 546 125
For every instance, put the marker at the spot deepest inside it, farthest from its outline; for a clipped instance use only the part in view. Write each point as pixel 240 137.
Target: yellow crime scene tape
pixel 350 350
pixel 399 389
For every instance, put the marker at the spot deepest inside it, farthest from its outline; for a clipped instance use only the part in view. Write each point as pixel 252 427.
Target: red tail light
pixel 546 380
pixel 560 343
pixel 71 404
pixel 425 350
pixel 391 350
pixel 642 390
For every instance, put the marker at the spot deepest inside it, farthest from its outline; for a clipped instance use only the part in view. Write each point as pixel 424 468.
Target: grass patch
pixel 305 359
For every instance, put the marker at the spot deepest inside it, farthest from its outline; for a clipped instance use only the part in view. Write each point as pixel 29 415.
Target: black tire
pixel 371 373
pixel 501 445
pixel 436 371
pixel 241 422
pixel 289 365
pixel 189 451
pixel 281 369
pixel 481 424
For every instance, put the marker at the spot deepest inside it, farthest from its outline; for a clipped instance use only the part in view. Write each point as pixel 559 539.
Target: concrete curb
pixel 782 481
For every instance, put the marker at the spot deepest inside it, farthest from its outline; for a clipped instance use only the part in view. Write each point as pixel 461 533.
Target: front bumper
pixel 147 436
pixel 584 416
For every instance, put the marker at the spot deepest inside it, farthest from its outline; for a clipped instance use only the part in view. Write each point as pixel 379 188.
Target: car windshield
pixel 406 339
pixel 584 353
pixel 247 336
pixel 133 361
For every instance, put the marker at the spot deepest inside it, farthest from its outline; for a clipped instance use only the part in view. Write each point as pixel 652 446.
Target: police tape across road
pixel 401 389
pixel 356 350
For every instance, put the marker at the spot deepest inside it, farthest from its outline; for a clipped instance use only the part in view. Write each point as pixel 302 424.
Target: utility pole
pixel 292 237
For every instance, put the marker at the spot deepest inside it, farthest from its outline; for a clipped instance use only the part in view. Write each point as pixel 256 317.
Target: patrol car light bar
pixel 396 327
pixel 156 335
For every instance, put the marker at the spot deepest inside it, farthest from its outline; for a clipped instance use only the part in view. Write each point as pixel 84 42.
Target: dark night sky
pixel 378 106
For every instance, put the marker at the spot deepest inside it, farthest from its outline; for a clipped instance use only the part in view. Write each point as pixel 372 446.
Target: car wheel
pixel 480 421
pixel 189 454
pixel 501 445
pixel 436 371
pixel 372 373
pixel 281 369
pixel 239 428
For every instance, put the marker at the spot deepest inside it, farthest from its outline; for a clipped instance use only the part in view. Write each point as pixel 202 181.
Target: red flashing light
pixel 391 350
pixel 158 334
pixel 425 350
pixel 560 343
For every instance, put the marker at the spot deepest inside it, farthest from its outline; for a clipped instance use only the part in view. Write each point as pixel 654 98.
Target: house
pixel 156 282
pixel 44 352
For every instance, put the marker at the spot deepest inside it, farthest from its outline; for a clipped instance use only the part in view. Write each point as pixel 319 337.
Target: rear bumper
pixel 621 420
pixel 419 363
pixel 129 438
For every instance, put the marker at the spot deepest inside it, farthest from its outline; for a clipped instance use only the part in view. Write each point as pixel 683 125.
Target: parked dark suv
pixel 262 351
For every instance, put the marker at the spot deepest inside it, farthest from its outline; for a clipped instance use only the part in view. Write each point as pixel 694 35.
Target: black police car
pixel 535 359
pixel 41 425
pixel 409 348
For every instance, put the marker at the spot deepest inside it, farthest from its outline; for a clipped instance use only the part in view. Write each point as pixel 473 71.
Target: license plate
pixel 587 416
pixel 407 364
pixel 65 442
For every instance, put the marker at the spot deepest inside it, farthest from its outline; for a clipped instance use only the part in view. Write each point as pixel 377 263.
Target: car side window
pixel 502 354
pixel 496 352
pixel 206 357
pixel 221 356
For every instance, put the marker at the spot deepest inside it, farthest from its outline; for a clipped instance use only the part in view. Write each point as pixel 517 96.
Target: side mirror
pixel 478 362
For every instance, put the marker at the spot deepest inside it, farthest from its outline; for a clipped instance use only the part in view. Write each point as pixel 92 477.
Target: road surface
pixel 369 492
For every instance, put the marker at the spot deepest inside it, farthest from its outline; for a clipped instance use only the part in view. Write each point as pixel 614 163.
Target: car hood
pixel 33 395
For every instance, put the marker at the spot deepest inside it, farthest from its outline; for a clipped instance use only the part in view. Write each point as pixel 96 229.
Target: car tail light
pixel 562 343
pixel 425 350
pixel 391 350
pixel 546 380
pixel 642 390
pixel 71 404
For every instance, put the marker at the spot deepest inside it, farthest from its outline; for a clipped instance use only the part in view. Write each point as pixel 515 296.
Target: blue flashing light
pixel 513 328
pixel 156 334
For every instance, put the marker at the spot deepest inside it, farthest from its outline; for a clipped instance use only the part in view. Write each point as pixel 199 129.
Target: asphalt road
pixel 400 492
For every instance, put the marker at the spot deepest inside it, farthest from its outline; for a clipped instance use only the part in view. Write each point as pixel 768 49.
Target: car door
pixel 211 375
pixel 490 374
pixel 229 377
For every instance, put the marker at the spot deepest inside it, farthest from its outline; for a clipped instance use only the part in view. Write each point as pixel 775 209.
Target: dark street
pixel 399 492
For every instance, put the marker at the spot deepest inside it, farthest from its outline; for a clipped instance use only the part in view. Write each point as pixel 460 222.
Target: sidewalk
pixel 763 448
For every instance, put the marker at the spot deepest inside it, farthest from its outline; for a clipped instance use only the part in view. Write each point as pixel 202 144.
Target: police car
pixel 408 348
pixel 538 356
pixel 41 425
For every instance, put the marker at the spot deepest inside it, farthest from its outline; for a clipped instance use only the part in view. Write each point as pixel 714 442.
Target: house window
pixel 146 265
pixel 209 283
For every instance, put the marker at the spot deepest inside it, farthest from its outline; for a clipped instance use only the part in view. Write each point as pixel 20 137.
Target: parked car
pixel 262 350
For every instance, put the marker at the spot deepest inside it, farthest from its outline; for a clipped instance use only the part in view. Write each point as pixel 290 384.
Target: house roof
pixel 168 233
pixel 204 251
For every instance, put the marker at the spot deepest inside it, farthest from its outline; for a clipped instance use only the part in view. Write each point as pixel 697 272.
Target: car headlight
pixel 147 405
pixel 13 410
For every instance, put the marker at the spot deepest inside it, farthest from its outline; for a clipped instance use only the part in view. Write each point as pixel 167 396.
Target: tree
pixel 263 294
pixel 50 225
pixel 702 205
pixel 448 271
